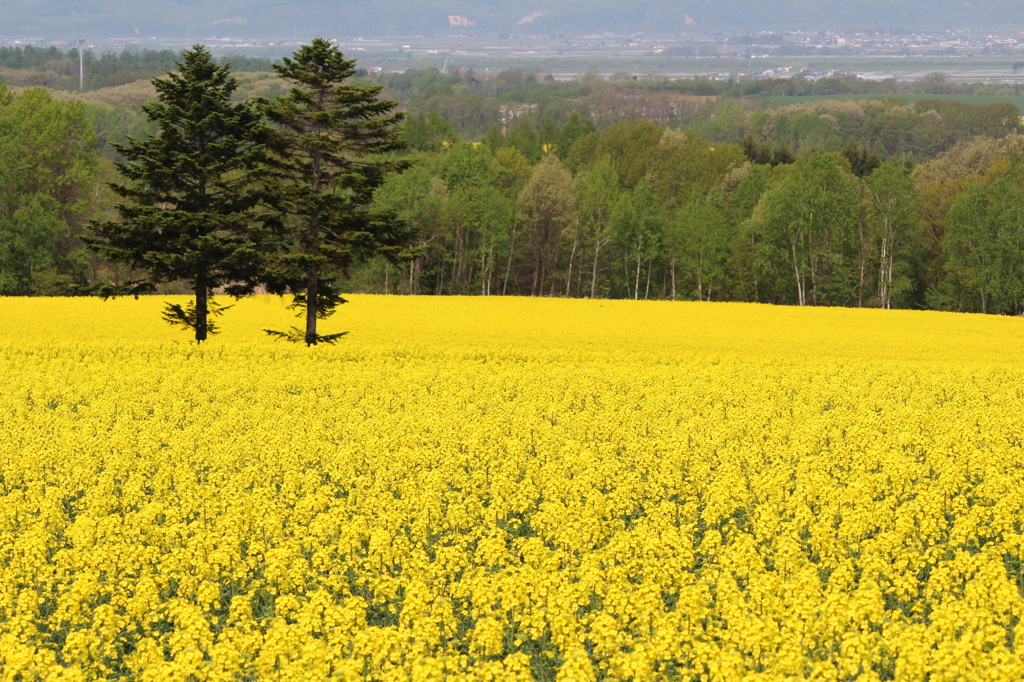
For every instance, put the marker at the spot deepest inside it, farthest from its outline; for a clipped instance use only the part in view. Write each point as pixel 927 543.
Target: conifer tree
pixel 330 154
pixel 189 193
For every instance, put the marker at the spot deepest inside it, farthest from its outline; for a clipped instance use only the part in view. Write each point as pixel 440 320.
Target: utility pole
pixel 81 64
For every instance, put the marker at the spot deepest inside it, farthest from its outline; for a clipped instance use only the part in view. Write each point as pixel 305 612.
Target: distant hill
pixel 58 19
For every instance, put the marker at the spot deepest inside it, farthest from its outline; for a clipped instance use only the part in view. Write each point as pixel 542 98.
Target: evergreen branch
pixel 106 290
pixel 327 300
pixel 330 338
pixel 185 317
pixel 293 335
pixel 296 335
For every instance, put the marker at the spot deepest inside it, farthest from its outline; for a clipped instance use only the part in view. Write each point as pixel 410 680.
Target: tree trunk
pixel 814 280
pixel 799 280
pixel 625 268
pixel 572 254
pixel 537 276
pixel 700 280
pixel 884 277
pixel 311 287
pixel 593 278
pixel 490 269
pixel 673 278
pixel 639 255
pixel 201 304
pixel 508 266
pixel 485 265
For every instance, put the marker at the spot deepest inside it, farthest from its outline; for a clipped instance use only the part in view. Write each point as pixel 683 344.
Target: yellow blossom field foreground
pixel 511 489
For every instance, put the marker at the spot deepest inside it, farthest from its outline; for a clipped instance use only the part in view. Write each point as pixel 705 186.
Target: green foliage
pixel 468 166
pixel 701 223
pixel 597 192
pixel 329 157
pixel 638 222
pixel 727 124
pixel 567 194
pixel 574 129
pixel 524 138
pixel 807 225
pixel 984 244
pixel 861 158
pixel 189 192
pixel 996 119
pixel 699 236
pixel 296 335
pixel 428 132
pixel 187 316
pixel 48 166
pixel 327 301
pixel 895 241
pixel 547 204
pixel 27 239
pixel 631 147
pixel 766 153
pixel 563 113
pixel 885 127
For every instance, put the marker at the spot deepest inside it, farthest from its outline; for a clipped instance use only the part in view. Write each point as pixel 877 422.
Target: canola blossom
pixel 511 489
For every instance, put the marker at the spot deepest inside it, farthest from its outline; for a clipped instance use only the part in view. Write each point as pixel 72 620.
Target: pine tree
pixel 329 151
pixel 189 192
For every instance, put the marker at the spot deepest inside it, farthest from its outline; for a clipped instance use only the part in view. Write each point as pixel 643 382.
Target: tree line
pixel 719 111
pixel 301 195
pixel 523 85
pixel 642 212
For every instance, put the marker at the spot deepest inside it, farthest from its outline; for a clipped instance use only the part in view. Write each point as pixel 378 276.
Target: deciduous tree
pixel 895 217
pixel 811 216
pixel 597 189
pixel 47 167
pixel 984 243
pixel 548 204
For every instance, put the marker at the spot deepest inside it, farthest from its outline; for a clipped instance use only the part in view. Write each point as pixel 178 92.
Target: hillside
pixel 200 18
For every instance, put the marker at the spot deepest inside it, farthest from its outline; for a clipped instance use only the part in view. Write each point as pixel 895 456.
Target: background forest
pixel 855 194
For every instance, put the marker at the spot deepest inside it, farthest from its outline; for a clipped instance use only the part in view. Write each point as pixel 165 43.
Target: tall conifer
pixel 189 192
pixel 330 156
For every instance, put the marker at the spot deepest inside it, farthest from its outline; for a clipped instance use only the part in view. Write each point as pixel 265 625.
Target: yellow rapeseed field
pixel 511 489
